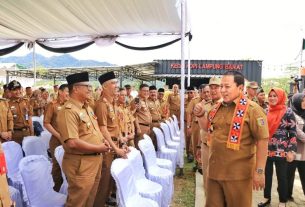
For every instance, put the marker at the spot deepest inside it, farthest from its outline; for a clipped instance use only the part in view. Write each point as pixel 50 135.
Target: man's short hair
pixel 239 78
pixel 28 87
pixel 63 86
pixel 143 85
pixel 127 86
pixel 121 89
pixel 202 86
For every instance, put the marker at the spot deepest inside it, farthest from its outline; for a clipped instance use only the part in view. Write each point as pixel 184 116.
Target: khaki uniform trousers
pixel 83 175
pixel 139 136
pixel 18 135
pixel 204 160
pixel 195 139
pixel 233 193
pixel 106 183
pixel 152 134
pixel 176 113
pixel 56 171
pixel 188 141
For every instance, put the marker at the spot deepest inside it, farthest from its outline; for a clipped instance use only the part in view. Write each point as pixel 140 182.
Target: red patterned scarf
pixel 237 123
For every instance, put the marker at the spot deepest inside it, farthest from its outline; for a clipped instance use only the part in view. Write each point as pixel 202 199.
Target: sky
pixel 268 30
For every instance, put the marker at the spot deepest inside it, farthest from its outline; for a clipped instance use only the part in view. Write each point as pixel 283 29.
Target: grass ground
pixel 184 189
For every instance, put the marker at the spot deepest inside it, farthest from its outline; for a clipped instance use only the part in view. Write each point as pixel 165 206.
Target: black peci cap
pixel 13 85
pixel 77 78
pixel 161 90
pixel 106 77
pixel 190 88
pixel 151 88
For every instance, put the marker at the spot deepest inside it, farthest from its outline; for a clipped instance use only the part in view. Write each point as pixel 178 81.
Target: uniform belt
pixel 144 124
pixel 196 122
pixel 174 109
pixel 92 154
pixel 155 121
pixel 21 129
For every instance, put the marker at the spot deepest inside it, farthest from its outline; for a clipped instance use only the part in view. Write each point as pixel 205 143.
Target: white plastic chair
pixel 125 181
pixel 163 163
pixel 174 137
pixel 45 136
pixel 59 154
pixel 176 125
pixel 154 173
pixel 35 171
pixel 163 151
pixel 15 196
pixel 146 188
pixel 33 145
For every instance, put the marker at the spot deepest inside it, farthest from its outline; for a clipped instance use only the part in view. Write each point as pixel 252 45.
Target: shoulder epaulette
pixel 68 106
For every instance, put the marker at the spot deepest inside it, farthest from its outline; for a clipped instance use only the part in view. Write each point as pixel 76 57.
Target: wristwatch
pixel 260 171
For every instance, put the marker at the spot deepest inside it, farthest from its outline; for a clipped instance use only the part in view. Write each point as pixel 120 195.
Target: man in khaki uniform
pixel 164 108
pixel 188 135
pixel 82 141
pixel 142 113
pixel 154 109
pixel 28 92
pixel 252 91
pixel 193 128
pixel 108 121
pixel 238 140
pixel 129 97
pixel 22 113
pixel 173 101
pixel 50 124
pixel 126 118
pixel 203 150
pixel 6 92
pixel 6 121
pixel 36 103
pixel 54 94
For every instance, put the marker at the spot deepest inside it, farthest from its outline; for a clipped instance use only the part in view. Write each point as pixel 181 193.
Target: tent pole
pixel 189 64
pixel 34 63
pixel 181 161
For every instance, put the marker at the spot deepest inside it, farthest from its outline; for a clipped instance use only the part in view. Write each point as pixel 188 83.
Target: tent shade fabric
pixel 8 50
pixel 39 20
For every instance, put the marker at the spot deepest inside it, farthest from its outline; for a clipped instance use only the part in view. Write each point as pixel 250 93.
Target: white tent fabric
pixel 36 19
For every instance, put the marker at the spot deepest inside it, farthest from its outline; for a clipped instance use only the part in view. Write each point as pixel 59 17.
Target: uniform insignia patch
pixel 260 121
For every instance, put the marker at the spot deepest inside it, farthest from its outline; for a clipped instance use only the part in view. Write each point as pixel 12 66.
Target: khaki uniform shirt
pixel 129 99
pixel 78 121
pixel 37 106
pixel 191 107
pixel 123 118
pixel 228 164
pixel 107 115
pixel 53 96
pixel 51 113
pixel 6 117
pixel 143 114
pixel 164 109
pixel 173 101
pixel 21 110
pixel 154 109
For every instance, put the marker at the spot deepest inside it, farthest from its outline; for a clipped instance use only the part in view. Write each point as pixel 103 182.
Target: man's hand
pixel 121 152
pixel 124 139
pixel 5 135
pixel 189 131
pixel 258 181
pixel 104 148
pixel 198 155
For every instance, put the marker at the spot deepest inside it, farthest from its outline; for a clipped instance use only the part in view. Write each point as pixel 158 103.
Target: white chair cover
pixel 59 154
pixel 163 163
pixel 35 171
pixel 163 151
pixel 172 131
pixel 176 130
pixel 15 196
pixel 45 136
pixel 146 188
pixel 13 155
pixel 176 124
pixel 153 172
pixel 33 145
pixel 125 181
pixel 168 141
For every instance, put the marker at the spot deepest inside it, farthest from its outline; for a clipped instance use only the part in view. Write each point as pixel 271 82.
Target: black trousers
pixel 281 174
pixel 292 166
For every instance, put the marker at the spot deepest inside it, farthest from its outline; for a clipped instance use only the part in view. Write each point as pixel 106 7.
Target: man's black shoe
pixel 111 202
pixel 200 171
pixel 190 158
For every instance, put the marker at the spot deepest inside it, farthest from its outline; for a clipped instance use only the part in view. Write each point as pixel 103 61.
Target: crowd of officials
pixel 234 136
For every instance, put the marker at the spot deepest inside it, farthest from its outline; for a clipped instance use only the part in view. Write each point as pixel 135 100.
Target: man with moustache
pixel 238 140
pixel 164 109
pixel 49 122
pixel 83 143
pixel 173 101
pixel 22 113
pixel 107 117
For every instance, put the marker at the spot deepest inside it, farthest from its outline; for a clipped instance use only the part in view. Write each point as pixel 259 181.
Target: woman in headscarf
pixel 281 146
pixel 298 107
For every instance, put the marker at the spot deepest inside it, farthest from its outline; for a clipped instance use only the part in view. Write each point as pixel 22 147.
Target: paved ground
pixel 299 198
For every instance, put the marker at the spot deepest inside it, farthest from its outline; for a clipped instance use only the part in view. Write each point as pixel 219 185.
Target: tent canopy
pixel 31 20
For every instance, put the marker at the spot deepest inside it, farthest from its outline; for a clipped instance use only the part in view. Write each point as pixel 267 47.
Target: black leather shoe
pixel 200 171
pixel 290 198
pixel 263 204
